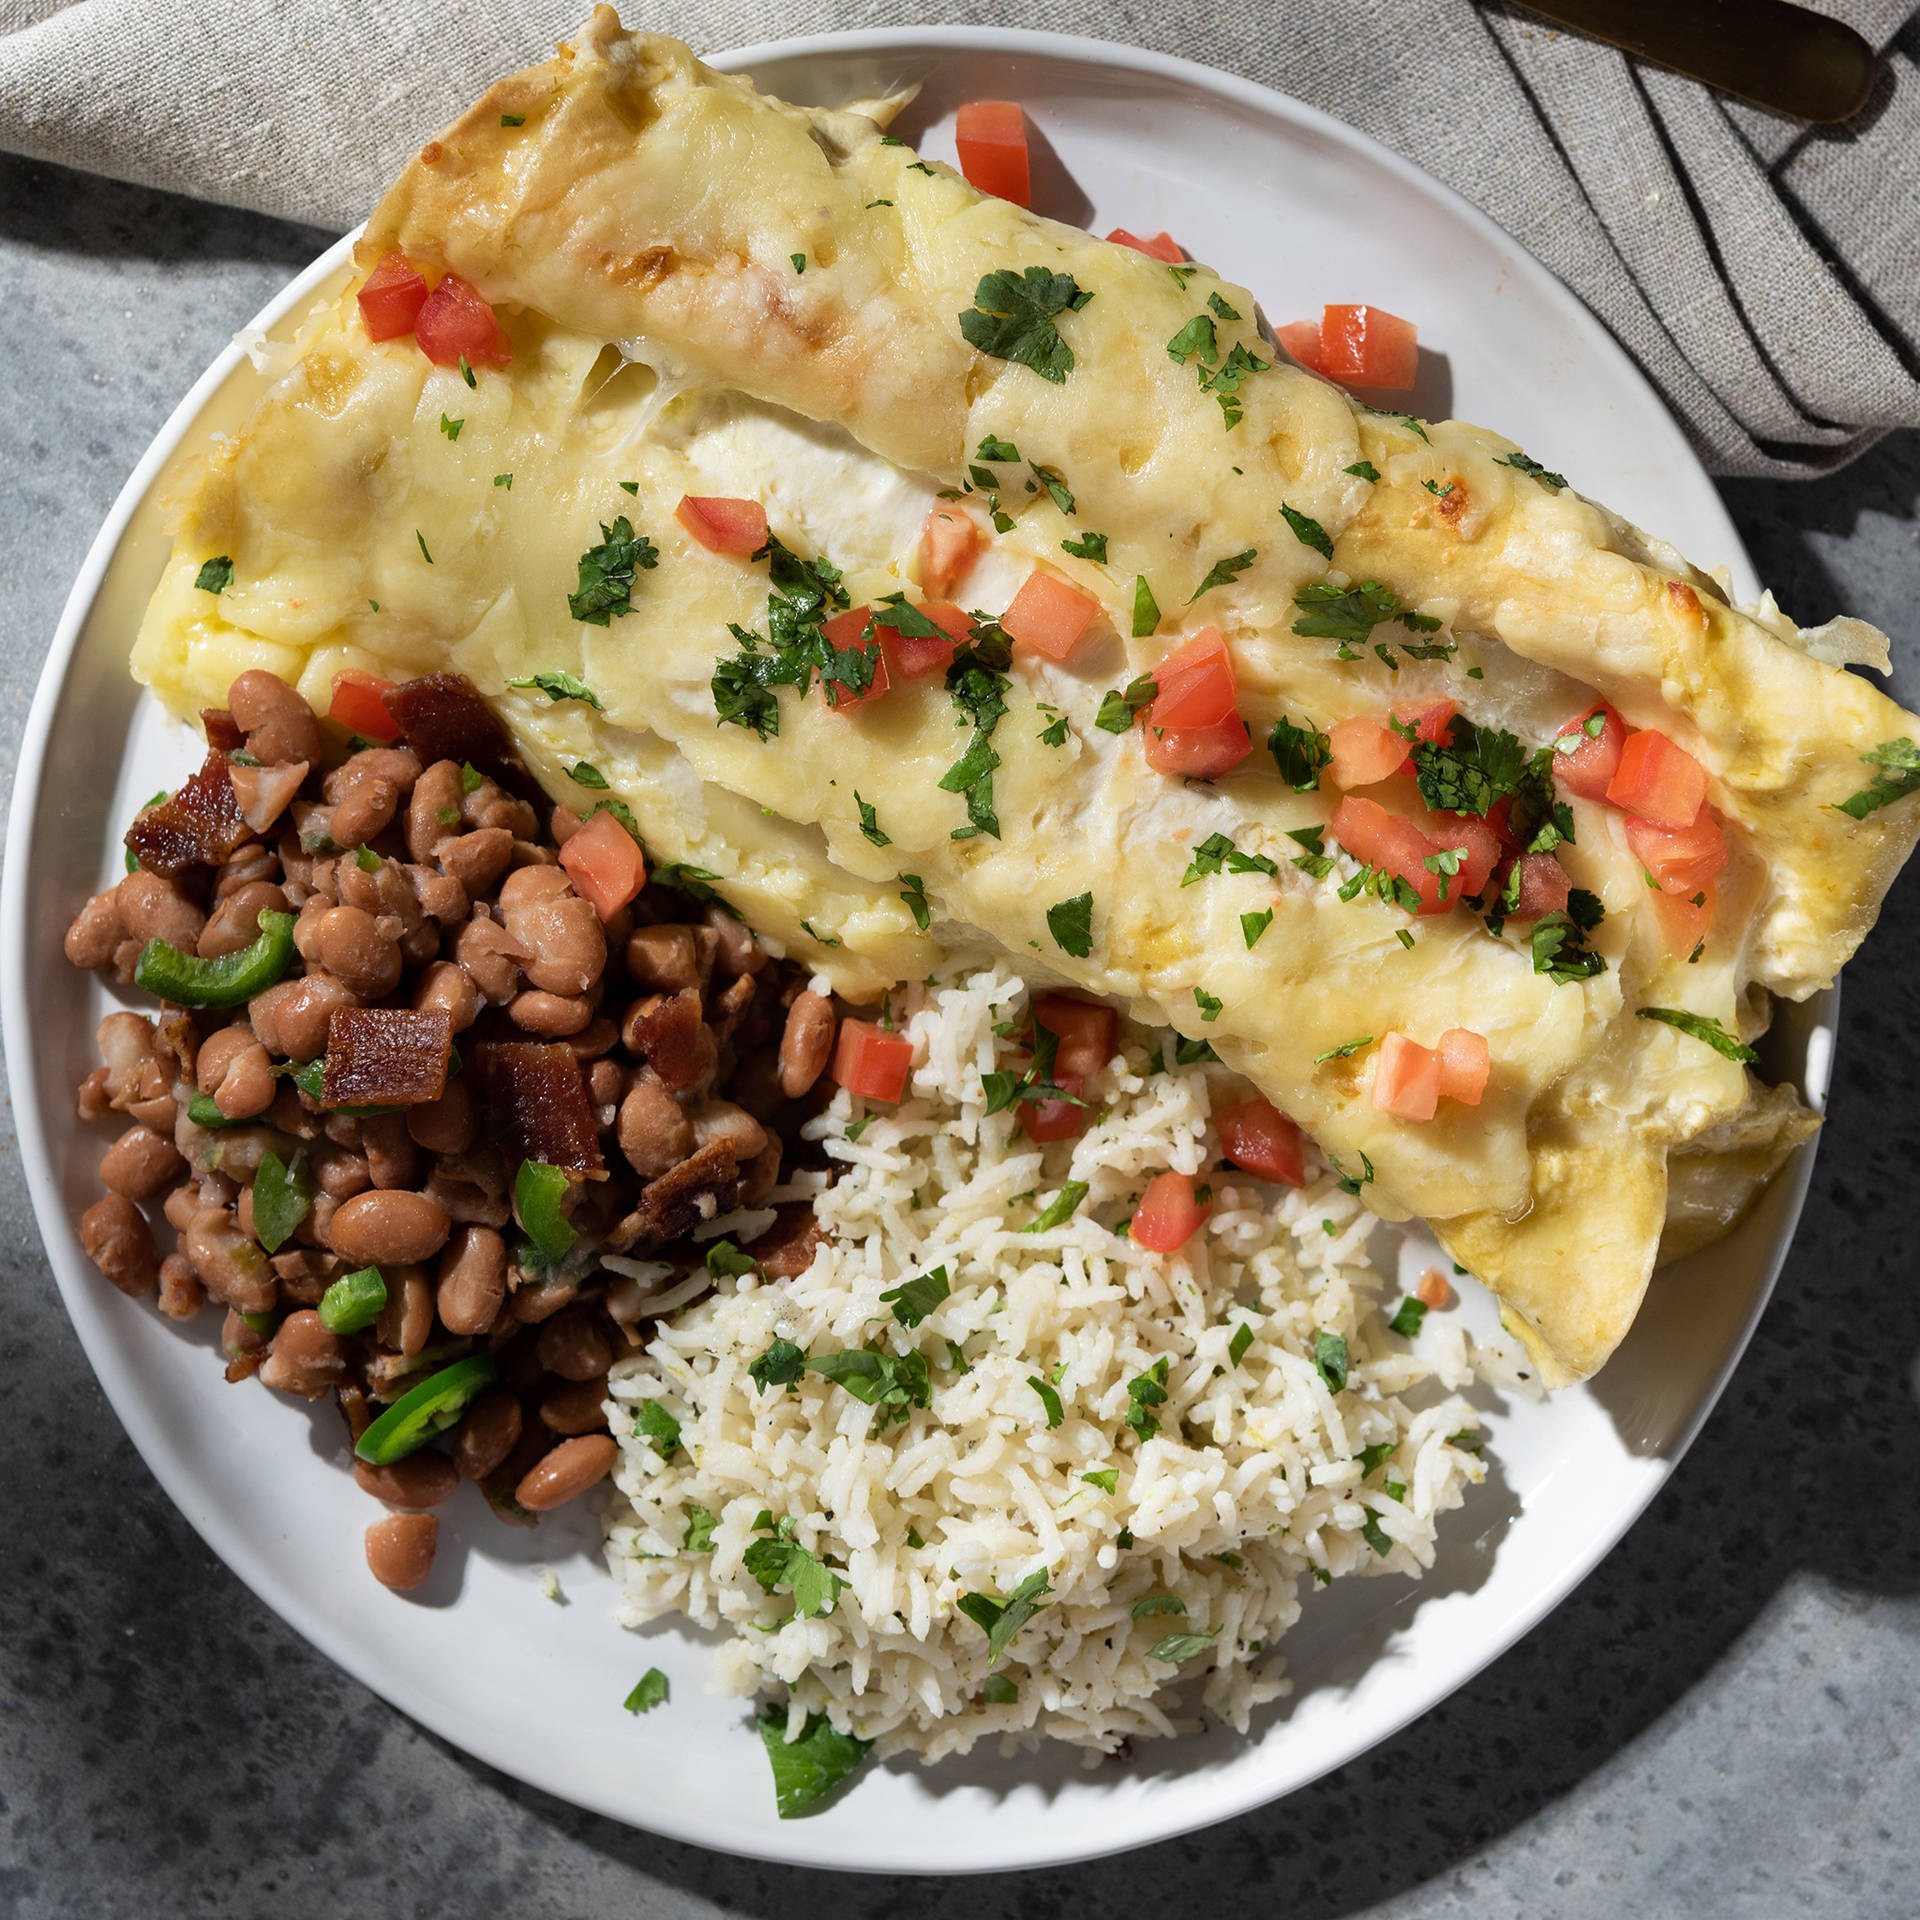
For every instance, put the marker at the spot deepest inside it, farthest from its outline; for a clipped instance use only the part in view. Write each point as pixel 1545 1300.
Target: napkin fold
pixel 1765 275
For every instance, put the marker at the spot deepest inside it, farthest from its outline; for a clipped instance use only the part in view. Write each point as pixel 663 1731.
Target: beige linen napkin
pixel 1765 275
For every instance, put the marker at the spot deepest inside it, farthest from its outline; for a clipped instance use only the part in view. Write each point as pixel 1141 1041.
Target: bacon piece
pixel 785 1251
pixel 670 1205
pixel 443 717
pixel 223 731
pixel 198 824
pixel 539 1095
pixel 386 1056
pixel 665 1032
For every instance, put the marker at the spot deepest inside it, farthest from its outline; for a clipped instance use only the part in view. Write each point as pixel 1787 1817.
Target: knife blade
pixel 1782 57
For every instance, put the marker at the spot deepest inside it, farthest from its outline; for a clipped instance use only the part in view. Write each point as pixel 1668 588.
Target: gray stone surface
pixel 1719 1722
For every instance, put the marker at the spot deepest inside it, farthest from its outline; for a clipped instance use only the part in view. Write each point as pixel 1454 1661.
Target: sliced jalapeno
pixel 430 1408
pixel 354 1301
pixel 538 1190
pixel 188 981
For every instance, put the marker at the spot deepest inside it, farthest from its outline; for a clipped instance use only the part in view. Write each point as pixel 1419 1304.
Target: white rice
pixel 1255 1461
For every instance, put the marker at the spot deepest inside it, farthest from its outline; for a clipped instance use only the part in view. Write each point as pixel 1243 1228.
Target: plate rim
pixel 800 1844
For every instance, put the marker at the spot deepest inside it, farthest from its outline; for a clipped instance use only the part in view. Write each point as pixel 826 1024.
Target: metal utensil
pixel 1785 58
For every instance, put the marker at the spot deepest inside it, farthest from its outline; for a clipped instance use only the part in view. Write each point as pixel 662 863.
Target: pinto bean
pixel 663 958
pixel 400 1549
pixel 567 1472
pixel 445 985
pixel 382 1228
pixel 235 921
pixel 117 1239
pixel 600 1035
pixel 476 859
pixel 94 1101
pixel 606 1083
pixel 442 898
pixel 446 1125
pixel 422 1479
pixel 140 1164
pixel 552 1016
pixel 654 1134
pixel 291 1018
pixel 181 1294
pixel 366 790
pixel 576 1406
pixel 762 1175
pixel 433 809
pixel 230 1266
pixel 233 1068
pixel 807 1044
pixel 488 1434
pixel 360 951
pixel 575 1345
pixel 473 1280
pixel 237 1337
pixel 277 721
pixel 562 824
pixel 248 863
pixel 392 1158
pixel 97 931
pixel 152 908
pixel 722 1120
pixel 558 931
pixel 490 959
pixel 340 1172
pixel 739 952
pixel 407 1318
pixel 306 1358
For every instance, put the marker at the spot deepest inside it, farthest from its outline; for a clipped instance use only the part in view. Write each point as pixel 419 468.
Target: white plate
pixel 1302 210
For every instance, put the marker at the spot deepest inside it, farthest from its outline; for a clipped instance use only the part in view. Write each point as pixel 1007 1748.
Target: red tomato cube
pixel 1162 246
pixel 1087 1031
pixel 1369 347
pixel 392 297
pixel 1589 769
pixel 736 527
pixel 1681 859
pixel 1465 1062
pixel 1054 1119
pixel 950 542
pixel 1658 781
pixel 1478 846
pixel 359 707
pixel 1685 918
pixel 1392 843
pixel 912 656
pixel 1256 1135
pixel 992 138
pixel 1432 723
pixel 1169 1213
pixel 604 863
pixel 872 1062
pixel 1364 752
pixel 1049 614
pixel 454 322
pixel 1196 753
pixel 1301 338
pixel 1406 1079
pixel 846 631
pixel 1544 887
pixel 1197 684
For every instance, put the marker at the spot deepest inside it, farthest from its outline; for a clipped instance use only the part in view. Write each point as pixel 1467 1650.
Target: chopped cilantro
pixel 1898 762
pixel 780 1366
pixel 1012 318
pixel 1049 1399
pixel 725 1261
pixel 1157 1603
pixel 1316 863
pixel 1119 710
pixel 1700 1027
pixel 806 593
pixel 1299 751
pixel 914 1299
pixel 1195 340
pixel 992 447
pixel 1181 275
pixel 1375 1535
pixel 1253 925
pixel 914 893
pixel 1220 307
pixel 585 774
pixel 807 1768
pixel 451 428
pixel 1467 1441
pixel 1241 1341
pixel 503 480
pixel 892 1383
pixel 1330 1356
pixel 1146 609
pixel 607 573
pixel 1071 924
pixel 1176 1647
pixel 1061 1208
pixel 1533 469
pixel 1107 1479
pixel 1560 949
pixel 1371 1457
pixel 629 486
pixel 1363 470
pixel 560 686
pixel 1222 572
pixel 424 554
pixel 998 1691
pixel 1217 851
pixel 700 1530
pixel 1350 614
pixel 466 372
pixel 1345 1049
pixel 513 119
pixel 1406 1320
pixel 658 1428
pixel 1054 485
pixel 871 204
pixel 1309 532
pixel 651 1689
pixel 1054 733
pixel 1210 1005
pixel 1087 546
pixel 870 821
pixel 1145 1391
pixel 799 262
pixel 1001 1620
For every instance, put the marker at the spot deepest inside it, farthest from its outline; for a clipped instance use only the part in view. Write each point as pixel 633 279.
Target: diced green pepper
pixel 229 981
pixel 204 1111
pixel 353 1301
pixel 282 1198
pixel 430 1408
pixel 538 1191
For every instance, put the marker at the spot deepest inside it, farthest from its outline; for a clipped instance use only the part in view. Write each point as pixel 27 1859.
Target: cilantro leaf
pixel 1350 614
pixel 725 1261
pixel 1330 1356
pixel 914 893
pixel 1700 1027
pixel 607 573
pixel 1898 762
pixel 585 774
pixel 993 448
pixel 807 1768
pixel 1363 470
pixel 1146 609
pixel 1309 532
pixel 1119 710
pixel 650 1691
pixel 1146 1391
pixel 1220 307
pixel 1049 1399
pixel 1001 1620
pixel 1158 1603
pixel 780 1562
pixel 892 1383
pixel 700 1529
pixel 1375 1535
pixel 1195 340
pixel 1055 486
pixel 870 822
pixel 1371 1457
pixel 1060 1209
pixel 914 1299
pixel 1107 1479
pixel 1299 751
pixel 1012 318
pixel 1210 1005
pixel 215 576
pixel 1253 925
pixel 1071 924
pixel 561 686
pixel 1054 733
pixel 1241 1341
pixel 780 1366
pixel 1560 950
pixel 998 1691
pixel 658 1428
pixel 1533 469
pixel 1217 851
pixel 1222 572
pixel 1088 546
pixel 1407 1318
pixel 1176 1647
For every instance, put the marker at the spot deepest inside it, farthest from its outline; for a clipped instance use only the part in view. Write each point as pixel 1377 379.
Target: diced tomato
pixel 358 706
pixel 1087 1034
pixel 1196 753
pixel 912 656
pixel 1364 752
pixel 1301 338
pixel 1681 859
pixel 1368 347
pixel 1465 1062
pixel 1256 1135
pixel 1434 1292
pixel 1658 781
pixel 950 542
pixel 736 527
pixel 1432 723
pixel 846 631
pixel 1169 1213
pixel 1197 684
pixel 1162 246
pixel 1476 843
pixel 605 864
pixel 1499 817
pixel 1054 1119
pixel 1049 614
pixel 992 138
pixel 392 297
pixel 1684 923
pixel 1589 769
pixel 1406 1079
pixel 454 322
pixel 870 1061
pixel 1544 887
pixel 1392 843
